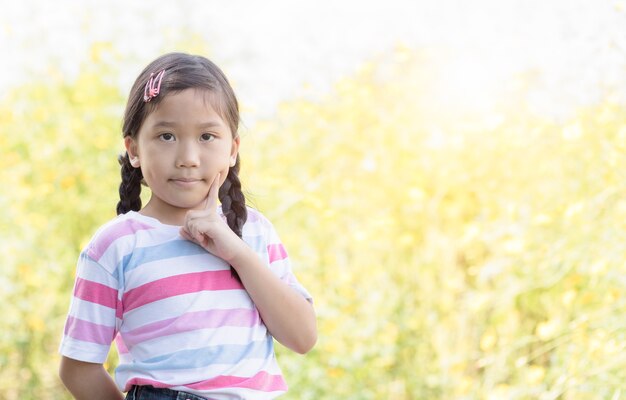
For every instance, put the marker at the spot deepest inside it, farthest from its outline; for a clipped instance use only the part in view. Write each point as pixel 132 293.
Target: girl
pixel 191 292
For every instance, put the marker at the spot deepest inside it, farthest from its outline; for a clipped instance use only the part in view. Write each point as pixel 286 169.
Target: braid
pixel 130 188
pixel 233 203
pixel 233 200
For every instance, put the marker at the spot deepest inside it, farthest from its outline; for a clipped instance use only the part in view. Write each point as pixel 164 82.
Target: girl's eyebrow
pixel 164 124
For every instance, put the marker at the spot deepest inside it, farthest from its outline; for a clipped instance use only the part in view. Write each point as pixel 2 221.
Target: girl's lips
pixel 185 182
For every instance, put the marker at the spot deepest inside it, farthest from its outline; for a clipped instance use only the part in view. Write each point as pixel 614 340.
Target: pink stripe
pixel 88 331
pixel 193 321
pixel 144 382
pixel 262 381
pixel 276 252
pixel 119 311
pixel 95 293
pixel 121 346
pixel 111 234
pixel 178 285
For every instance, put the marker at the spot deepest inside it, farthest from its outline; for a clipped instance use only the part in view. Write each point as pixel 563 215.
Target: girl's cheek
pixel 223 176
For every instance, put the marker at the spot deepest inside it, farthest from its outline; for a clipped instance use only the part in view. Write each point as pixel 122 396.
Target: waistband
pixel 152 393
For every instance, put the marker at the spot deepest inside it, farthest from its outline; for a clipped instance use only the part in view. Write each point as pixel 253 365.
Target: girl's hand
pixel 209 230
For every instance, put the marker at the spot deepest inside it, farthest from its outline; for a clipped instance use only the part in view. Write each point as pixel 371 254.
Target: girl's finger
pixel 185 234
pixel 211 200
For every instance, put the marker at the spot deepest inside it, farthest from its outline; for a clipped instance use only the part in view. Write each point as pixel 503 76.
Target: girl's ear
pixel 234 150
pixel 131 149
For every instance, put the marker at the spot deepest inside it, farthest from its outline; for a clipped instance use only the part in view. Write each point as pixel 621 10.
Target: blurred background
pixel 448 178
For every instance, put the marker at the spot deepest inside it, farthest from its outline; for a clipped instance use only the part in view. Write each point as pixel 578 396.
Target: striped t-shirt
pixel 178 317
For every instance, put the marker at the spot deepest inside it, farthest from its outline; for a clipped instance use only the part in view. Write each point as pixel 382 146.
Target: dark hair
pixel 183 71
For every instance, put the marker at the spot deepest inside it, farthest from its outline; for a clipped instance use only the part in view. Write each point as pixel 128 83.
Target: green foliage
pixel 451 256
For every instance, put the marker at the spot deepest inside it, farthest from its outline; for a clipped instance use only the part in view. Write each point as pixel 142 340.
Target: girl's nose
pixel 188 155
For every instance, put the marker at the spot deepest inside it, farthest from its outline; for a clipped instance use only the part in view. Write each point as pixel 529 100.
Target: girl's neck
pixel 169 216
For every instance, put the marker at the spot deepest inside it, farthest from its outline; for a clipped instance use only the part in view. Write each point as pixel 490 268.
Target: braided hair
pixel 233 200
pixel 130 188
pixel 183 71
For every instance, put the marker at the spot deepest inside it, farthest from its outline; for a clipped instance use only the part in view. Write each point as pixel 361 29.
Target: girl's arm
pixel 289 317
pixel 88 380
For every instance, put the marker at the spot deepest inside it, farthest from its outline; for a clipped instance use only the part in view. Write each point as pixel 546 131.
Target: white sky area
pixel 274 50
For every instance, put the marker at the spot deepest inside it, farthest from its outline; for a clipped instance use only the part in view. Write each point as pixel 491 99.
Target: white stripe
pixel 94 272
pixel 191 302
pixel 280 268
pixel 155 237
pixel 200 338
pixel 83 351
pixel 92 312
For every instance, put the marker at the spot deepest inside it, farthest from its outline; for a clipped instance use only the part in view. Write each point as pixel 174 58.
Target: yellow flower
pixel 568 297
pixel 548 329
pixel 535 374
pixel 487 341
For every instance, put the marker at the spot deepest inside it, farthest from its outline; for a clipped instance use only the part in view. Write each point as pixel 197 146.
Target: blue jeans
pixel 152 393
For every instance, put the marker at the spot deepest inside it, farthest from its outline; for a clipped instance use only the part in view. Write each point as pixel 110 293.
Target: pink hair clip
pixel 153 86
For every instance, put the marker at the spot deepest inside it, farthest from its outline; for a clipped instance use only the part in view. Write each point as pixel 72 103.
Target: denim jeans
pixel 151 393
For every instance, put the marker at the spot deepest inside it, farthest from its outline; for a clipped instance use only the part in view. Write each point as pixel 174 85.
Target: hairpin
pixel 153 86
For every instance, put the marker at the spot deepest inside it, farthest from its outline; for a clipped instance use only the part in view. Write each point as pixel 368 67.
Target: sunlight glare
pixel 468 82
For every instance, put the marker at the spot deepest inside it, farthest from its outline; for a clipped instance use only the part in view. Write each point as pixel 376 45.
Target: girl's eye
pixel 168 137
pixel 207 137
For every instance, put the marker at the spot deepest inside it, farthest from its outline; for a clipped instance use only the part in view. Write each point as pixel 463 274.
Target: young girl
pixel 192 292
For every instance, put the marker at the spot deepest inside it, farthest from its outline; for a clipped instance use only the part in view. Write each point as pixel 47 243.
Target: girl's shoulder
pixel 256 220
pixel 122 228
pixel 255 216
pixel 123 225
pixel 259 226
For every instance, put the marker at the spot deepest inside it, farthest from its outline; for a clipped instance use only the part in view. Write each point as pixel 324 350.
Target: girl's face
pixel 181 146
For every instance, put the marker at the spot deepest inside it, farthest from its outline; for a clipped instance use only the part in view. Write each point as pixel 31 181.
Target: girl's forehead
pixel 189 99
pixel 193 95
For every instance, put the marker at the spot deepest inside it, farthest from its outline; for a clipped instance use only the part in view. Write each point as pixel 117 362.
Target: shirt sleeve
pixel 91 324
pixel 280 263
